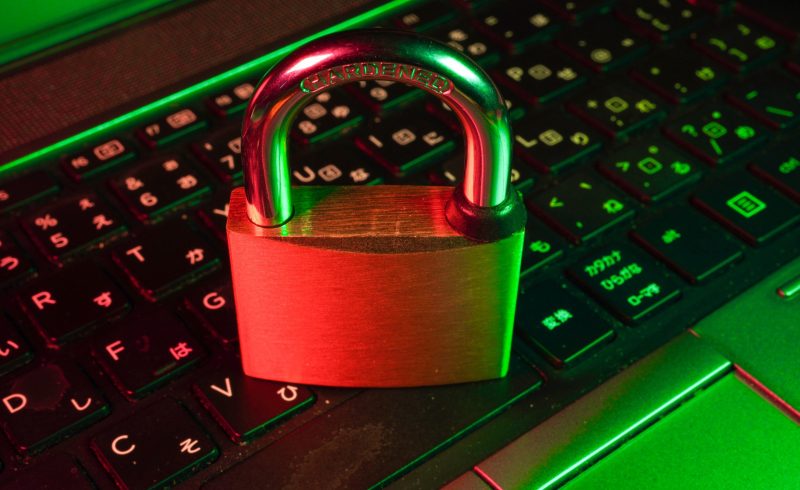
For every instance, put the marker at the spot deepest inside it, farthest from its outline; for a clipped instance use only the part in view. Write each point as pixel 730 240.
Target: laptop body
pixel 622 329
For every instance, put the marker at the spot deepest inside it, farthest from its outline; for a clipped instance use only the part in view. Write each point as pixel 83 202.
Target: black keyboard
pixel 653 147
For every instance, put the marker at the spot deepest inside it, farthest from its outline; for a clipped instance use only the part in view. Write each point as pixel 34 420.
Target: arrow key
pixel 245 407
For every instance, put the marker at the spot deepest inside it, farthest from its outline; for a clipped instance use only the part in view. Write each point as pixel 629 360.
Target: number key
pixel 327 115
pixel 679 77
pixel 602 44
pixel 158 186
pixel 72 225
pixel 222 154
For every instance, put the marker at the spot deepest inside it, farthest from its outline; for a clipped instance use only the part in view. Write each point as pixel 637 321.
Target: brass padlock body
pixel 370 286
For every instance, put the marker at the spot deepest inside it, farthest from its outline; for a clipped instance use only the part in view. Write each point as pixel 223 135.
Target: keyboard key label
pixel 746 204
pixel 630 283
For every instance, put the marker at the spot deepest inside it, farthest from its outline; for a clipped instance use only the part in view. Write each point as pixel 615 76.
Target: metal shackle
pixel 480 204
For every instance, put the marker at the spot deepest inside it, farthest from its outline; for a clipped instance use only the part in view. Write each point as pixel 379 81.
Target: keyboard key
pixel 541 75
pixel 73 224
pixel 617 109
pixel 14 263
pixel 214 213
pixel 542 246
pixel 771 96
pixel 212 303
pixel 572 10
pixel 660 20
pixel 326 116
pixel 14 351
pixel 628 282
pixel 64 304
pixel 780 166
pixel 717 133
pixel 164 258
pixel 469 41
pixel 154 448
pixel 381 432
pixel 382 95
pixel 48 404
pixel 405 144
pixel 25 189
pixel 231 101
pixel 562 327
pixel 425 16
pixel 581 207
pixel 98 158
pixel 650 169
pixel 602 44
pixel 170 128
pixel 679 76
pixel 554 140
pixel 60 472
pixel 515 26
pixel 691 245
pixel 146 351
pixel 750 209
pixel 159 186
pixel 739 44
pixel 245 407
pixel 222 154
pixel 337 164
pixel 452 172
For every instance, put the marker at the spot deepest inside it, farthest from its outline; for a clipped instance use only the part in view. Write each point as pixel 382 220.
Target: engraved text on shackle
pixel 379 70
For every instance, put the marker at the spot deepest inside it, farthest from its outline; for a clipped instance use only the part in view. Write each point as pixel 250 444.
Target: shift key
pixel 382 432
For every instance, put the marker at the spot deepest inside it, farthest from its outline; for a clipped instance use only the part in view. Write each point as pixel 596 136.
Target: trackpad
pixel 727 435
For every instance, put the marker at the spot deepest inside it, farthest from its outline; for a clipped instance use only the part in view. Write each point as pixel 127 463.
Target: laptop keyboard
pixel 652 145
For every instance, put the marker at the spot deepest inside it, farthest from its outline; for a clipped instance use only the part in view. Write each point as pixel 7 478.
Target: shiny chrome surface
pixel 371 287
pixel 378 55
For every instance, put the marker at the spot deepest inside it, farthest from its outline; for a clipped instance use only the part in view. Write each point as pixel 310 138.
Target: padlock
pixel 375 286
